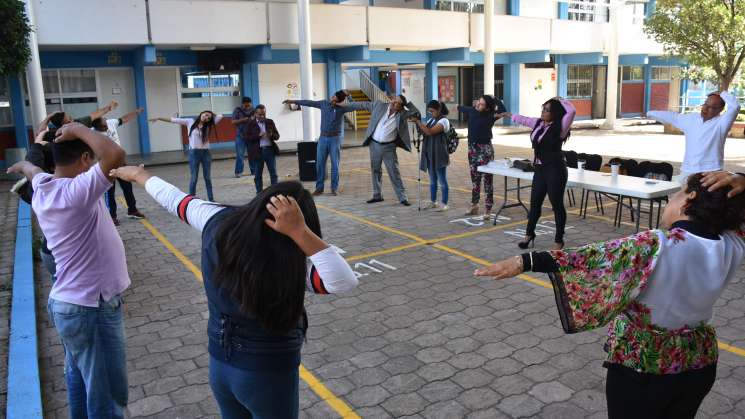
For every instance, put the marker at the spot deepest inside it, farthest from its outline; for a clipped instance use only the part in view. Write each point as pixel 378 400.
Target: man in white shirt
pixel 109 126
pixel 388 130
pixel 705 132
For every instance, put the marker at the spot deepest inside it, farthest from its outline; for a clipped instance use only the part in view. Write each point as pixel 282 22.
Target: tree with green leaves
pixel 14 33
pixel 708 33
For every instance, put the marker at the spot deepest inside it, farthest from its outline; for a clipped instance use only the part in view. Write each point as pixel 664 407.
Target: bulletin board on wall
pixel 446 89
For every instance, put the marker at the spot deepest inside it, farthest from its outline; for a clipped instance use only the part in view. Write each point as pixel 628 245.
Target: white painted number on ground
pixel 545 227
pixel 366 268
pixel 478 221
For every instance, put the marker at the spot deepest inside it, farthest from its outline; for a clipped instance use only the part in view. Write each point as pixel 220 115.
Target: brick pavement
pixel 420 336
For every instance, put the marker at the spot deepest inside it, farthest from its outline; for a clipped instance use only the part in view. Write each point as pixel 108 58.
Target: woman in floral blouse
pixel 656 291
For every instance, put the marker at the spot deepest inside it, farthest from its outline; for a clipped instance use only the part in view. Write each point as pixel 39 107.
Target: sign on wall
pixel 446 89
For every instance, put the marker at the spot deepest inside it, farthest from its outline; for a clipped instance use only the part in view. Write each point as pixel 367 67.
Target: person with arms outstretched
pixel 329 143
pixel 199 131
pixel 705 132
pixel 258 261
pixel 656 291
pixel 109 126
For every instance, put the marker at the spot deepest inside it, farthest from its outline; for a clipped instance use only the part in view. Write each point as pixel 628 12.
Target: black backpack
pixel 452 140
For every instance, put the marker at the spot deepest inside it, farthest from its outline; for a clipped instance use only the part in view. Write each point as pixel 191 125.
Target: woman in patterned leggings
pixel 481 119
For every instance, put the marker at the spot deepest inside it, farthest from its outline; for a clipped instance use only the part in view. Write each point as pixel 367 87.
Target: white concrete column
pixel 488 47
pixel 306 65
pixel 611 101
pixel 33 72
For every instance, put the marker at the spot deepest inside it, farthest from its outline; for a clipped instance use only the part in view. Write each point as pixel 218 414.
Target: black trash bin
pixel 306 159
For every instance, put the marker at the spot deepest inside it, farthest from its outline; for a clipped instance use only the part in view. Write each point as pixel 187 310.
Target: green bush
pixel 14 32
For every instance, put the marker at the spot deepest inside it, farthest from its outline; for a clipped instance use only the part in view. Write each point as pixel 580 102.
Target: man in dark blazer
pixel 388 129
pixel 261 137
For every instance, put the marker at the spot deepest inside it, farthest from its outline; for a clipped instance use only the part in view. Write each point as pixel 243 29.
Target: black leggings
pixel 648 396
pixel 552 180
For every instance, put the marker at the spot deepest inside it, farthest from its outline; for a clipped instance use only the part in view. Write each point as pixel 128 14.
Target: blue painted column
pixel 647 88
pixel 650 7
pixel 513 7
pixel 430 4
pixel 333 76
pixel 512 89
pixel 430 82
pixel 250 82
pixel 332 1
pixel 17 105
pixel 562 76
pixel 142 56
pixel 563 10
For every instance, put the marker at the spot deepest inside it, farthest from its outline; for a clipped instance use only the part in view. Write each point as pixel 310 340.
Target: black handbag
pixel 525 165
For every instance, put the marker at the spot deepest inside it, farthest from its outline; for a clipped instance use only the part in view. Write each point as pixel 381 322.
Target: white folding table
pixel 624 186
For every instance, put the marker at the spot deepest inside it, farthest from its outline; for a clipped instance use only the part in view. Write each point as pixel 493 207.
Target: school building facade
pixel 179 57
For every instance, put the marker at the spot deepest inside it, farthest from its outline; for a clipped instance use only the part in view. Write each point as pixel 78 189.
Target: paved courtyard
pixel 420 337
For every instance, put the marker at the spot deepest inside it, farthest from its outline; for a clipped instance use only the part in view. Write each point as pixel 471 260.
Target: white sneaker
pixel 431 205
pixel 487 216
pixel 443 208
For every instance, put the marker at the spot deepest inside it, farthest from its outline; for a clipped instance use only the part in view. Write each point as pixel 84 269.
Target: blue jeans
pixel 201 156
pixel 240 153
pixel 244 394
pixel 95 359
pixel 328 147
pixel 268 158
pixel 435 176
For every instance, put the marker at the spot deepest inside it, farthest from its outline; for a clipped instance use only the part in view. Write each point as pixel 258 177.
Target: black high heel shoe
pixel 559 245
pixel 530 242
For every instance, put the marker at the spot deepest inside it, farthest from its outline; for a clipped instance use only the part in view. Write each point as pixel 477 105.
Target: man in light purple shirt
pixel 85 303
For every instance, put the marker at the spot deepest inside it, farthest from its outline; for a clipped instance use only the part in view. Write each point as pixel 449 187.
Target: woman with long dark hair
pixel 435 157
pixel 199 131
pixel 258 260
pixel 656 290
pixel 550 131
pixel 481 118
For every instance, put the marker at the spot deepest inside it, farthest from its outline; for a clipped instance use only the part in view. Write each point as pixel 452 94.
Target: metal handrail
pixel 371 90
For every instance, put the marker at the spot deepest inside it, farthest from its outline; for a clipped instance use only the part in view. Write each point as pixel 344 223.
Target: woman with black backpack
pixel 550 131
pixel 435 156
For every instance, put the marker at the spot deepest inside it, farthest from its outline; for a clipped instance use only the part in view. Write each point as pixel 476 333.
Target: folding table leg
pixel 638 213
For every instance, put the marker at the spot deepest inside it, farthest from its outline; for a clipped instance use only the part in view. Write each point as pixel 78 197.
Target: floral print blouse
pixel 600 284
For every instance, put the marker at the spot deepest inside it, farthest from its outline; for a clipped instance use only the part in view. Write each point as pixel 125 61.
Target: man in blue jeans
pixel 85 303
pixel 241 115
pixel 329 143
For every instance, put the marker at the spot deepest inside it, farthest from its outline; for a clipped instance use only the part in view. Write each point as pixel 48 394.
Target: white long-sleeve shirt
pixel 327 271
pixel 704 150
pixel 195 136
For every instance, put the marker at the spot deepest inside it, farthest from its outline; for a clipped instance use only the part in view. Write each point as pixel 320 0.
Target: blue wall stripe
pixel 24 388
pixel 143 127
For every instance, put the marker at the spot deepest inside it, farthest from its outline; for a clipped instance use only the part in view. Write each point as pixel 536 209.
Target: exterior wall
pixel 116 22
pixel 660 96
pixel 349 23
pixel 118 84
pixel 584 107
pixel 576 37
pixel 273 81
pixel 632 98
pixel 396 28
pixel 539 8
pixel 536 87
pixel 505 28
pixel 177 22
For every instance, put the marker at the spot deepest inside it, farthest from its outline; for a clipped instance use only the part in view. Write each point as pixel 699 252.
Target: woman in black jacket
pixel 550 131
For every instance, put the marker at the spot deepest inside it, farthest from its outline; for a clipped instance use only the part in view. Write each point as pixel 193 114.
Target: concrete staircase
pixel 362 117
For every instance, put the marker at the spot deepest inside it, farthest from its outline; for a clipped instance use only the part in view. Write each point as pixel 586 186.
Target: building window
pixel 72 91
pixel 588 10
pixel 6 118
pixel 470 6
pixel 215 91
pixel 662 73
pixel 633 73
pixel 579 81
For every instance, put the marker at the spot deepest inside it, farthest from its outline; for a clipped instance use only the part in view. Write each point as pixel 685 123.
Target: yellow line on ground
pixel 385 252
pixel 541 283
pixel 337 404
pixel 371 223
